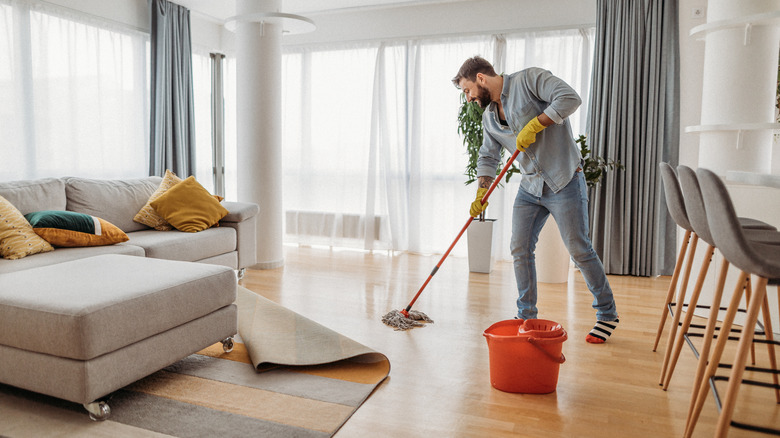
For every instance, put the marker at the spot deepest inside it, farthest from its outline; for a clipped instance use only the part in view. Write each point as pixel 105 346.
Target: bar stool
pixel 694 205
pixel 751 257
pixel 677 209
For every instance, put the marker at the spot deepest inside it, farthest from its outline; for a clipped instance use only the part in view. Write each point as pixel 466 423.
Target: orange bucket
pixel 525 355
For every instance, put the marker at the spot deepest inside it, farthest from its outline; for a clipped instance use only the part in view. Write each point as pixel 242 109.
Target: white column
pixel 738 86
pixel 259 125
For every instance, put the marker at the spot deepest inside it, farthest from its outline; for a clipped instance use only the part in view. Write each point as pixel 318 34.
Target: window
pixel 370 136
pixel 73 96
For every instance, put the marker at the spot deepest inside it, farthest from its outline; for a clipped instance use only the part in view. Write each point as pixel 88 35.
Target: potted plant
pixel 594 168
pixel 480 233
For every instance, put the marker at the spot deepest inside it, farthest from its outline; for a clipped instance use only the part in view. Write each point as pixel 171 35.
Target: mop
pixel 407 318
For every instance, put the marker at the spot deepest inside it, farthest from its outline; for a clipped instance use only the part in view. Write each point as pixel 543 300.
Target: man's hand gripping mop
pixel 408 318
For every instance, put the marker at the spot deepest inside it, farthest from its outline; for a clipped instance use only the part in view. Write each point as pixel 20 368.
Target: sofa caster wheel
pixel 98 411
pixel 227 344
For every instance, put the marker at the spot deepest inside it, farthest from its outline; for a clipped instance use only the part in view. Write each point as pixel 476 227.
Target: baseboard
pixel 268 265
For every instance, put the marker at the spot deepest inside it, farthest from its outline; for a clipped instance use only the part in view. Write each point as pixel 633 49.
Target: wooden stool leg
pixel 709 333
pixel 748 295
pixel 769 335
pixel 738 369
pixel 680 301
pixel 672 287
pixel 680 340
pixel 712 366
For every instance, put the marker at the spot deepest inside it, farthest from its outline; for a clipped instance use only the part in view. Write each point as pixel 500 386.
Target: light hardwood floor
pixel 439 380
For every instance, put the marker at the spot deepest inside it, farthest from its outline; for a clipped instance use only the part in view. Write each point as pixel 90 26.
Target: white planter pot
pixel 480 245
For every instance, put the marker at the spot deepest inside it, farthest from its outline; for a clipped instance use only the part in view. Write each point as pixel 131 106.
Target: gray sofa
pixel 80 323
pixel 233 243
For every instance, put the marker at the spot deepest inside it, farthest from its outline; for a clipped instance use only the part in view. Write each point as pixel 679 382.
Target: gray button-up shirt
pixel 554 157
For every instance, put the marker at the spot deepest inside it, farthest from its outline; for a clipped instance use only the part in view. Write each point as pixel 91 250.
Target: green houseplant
pixel 595 167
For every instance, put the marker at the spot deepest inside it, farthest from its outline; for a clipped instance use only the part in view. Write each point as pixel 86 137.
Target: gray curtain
pixel 634 118
pixel 172 127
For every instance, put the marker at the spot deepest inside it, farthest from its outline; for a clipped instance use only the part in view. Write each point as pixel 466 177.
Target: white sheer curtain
pixel 438 197
pixel 372 158
pixel 73 95
pixel 326 136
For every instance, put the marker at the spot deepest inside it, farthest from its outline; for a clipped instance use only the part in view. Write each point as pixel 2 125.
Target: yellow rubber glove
pixel 527 135
pixel 477 206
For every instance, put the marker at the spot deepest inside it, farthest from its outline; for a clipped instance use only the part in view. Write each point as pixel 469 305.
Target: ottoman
pixel 82 329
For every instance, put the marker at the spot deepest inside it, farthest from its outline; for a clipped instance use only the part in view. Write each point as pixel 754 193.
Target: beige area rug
pixel 289 377
pixel 277 336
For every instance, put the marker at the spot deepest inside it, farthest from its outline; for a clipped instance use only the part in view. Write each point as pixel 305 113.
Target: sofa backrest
pixel 116 201
pixel 35 195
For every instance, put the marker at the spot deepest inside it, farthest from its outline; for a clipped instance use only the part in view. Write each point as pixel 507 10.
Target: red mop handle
pixel 468 222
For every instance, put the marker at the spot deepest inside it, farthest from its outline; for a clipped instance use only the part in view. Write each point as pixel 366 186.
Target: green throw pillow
pixel 71 229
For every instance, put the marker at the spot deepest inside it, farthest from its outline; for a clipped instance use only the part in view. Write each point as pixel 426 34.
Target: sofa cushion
pixel 17 238
pixel 188 247
pixel 147 215
pixel 89 307
pixel 189 207
pixel 67 254
pixel 69 229
pixel 35 195
pixel 116 201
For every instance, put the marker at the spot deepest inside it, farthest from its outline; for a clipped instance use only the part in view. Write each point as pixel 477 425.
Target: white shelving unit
pixel 735 126
pixel 767 18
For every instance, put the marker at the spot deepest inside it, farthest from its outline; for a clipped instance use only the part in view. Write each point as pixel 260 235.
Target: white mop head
pixel 397 320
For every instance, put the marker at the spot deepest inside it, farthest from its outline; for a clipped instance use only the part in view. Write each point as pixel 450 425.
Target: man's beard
pixel 483 96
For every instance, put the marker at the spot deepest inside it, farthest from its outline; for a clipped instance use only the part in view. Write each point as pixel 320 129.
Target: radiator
pixel 330 225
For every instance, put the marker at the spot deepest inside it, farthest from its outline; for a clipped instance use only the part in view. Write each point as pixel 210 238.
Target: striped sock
pixel 601 331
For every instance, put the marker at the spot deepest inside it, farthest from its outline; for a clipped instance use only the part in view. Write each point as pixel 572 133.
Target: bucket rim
pixel 559 334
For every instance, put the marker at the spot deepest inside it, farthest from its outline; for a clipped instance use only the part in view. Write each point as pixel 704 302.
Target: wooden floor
pixel 439 380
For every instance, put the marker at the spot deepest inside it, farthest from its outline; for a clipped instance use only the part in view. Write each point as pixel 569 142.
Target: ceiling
pixel 220 10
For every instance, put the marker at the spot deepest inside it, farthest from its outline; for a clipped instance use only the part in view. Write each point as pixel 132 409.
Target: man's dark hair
pixel 471 67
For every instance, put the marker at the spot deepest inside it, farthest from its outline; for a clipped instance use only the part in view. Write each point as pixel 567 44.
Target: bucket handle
pixel 534 342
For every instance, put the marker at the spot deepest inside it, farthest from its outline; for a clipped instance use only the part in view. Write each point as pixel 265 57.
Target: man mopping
pixel 528 111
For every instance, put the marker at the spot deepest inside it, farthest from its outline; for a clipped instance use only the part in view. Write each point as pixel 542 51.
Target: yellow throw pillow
pixel 147 215
pixel 189 207
pixel 17 238
pixel 71 229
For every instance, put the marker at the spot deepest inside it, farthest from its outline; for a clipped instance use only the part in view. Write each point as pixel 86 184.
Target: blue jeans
pixel 569 208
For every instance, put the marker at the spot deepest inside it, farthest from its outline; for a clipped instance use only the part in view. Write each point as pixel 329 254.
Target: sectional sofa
pixel 79 323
